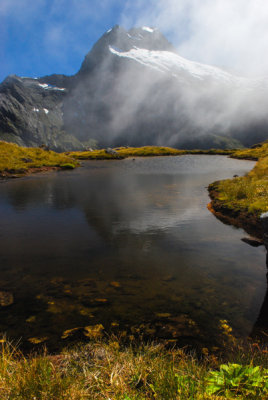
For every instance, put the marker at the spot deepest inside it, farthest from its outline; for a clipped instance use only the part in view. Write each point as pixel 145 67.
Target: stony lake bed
pixel 128 247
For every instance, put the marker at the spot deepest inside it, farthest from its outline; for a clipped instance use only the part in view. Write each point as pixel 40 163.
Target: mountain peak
pixel 124 40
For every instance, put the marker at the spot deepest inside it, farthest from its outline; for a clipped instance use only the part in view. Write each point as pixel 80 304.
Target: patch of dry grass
pixel 18 160
pixel 110 370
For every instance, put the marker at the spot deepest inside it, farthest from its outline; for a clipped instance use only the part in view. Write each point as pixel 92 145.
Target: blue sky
pixel 40 37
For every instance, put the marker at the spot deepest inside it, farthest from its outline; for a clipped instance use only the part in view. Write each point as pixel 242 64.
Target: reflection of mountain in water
pixel 143 223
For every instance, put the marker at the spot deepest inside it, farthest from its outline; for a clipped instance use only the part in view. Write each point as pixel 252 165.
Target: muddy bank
pixel 21 173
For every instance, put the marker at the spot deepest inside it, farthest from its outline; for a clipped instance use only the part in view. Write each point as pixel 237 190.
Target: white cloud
pixel 228 33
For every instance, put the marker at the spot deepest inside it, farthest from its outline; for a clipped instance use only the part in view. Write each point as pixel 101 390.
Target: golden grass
pixel 18 160
pixel 109 370
pixel 145 151
pixel 248 193
pixel 253 153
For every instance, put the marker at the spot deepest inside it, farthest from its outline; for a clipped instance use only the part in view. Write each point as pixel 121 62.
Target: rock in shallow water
pixel 6 299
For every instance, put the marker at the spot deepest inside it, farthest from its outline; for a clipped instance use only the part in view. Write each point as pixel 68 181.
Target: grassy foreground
pixel 244 197
pixel 108 370
pixel 21 160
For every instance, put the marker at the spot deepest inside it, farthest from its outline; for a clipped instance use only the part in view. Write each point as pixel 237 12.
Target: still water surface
pixel 129 245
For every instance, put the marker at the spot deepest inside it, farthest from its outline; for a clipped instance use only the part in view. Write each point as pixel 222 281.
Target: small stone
pixel 31 319
pixel 115 284
pixel 93 331
pixel 163 315
pixel 86 312
pixel 254 242
pixel 70 332
pixel 111 151
pixel 6 299
pixel 37 340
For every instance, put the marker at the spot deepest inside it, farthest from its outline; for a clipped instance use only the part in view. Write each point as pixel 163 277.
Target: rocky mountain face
pixel 133 88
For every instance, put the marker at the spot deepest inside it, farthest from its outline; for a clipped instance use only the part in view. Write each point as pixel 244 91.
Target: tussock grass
pixel 145 151
pixel 255 153
pixel 109 370
pixel 248 193
pixel 19 160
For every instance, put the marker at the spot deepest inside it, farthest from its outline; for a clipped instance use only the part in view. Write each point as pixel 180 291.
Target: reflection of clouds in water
pixel 155 220
pixel 148 220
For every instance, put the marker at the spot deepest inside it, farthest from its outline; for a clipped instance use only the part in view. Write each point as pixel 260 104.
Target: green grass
pixel 19 160
pixel 110 370
pixel 145 151
pixel 248 193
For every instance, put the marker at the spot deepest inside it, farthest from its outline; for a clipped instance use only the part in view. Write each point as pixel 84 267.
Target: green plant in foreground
pixel 238 381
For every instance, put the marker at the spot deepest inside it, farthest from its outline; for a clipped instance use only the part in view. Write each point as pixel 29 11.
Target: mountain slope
pixel 133 88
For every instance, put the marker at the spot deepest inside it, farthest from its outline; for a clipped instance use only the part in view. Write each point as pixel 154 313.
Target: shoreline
pixel 243 201
pixel 239 218
pixel 20 161
pixel 6 175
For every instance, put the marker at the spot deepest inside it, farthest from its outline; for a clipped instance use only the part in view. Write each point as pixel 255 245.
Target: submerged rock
pixel 37 340
pixel 115 284
pixel 6 299
pixel 94 331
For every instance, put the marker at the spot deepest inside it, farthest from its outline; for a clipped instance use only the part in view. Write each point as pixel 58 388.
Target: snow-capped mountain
pixel 133 88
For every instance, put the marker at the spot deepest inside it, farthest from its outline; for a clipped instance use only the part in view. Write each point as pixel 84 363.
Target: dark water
pixel 129 245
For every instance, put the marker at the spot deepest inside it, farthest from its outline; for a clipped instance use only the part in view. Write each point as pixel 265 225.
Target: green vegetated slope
pixel 145 151
pixel 249 193
pixel 20 160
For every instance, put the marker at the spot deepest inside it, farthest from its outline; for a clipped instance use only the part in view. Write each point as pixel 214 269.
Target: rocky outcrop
pixel 31 114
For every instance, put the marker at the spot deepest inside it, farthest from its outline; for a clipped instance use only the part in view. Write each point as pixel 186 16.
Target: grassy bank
pixel 242 200
pixel 145 151
pixel 16 160
pixel 259 151
pixel 108 370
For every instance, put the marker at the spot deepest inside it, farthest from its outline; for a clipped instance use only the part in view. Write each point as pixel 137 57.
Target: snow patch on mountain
pixel 177 66
pixel 51 87
pixel 147 29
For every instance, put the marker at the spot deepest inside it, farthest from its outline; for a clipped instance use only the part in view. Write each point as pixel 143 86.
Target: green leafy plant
pixel 238 381
pixel 187 386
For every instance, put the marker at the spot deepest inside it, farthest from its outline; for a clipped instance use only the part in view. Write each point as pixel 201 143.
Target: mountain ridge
pixel 134 88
